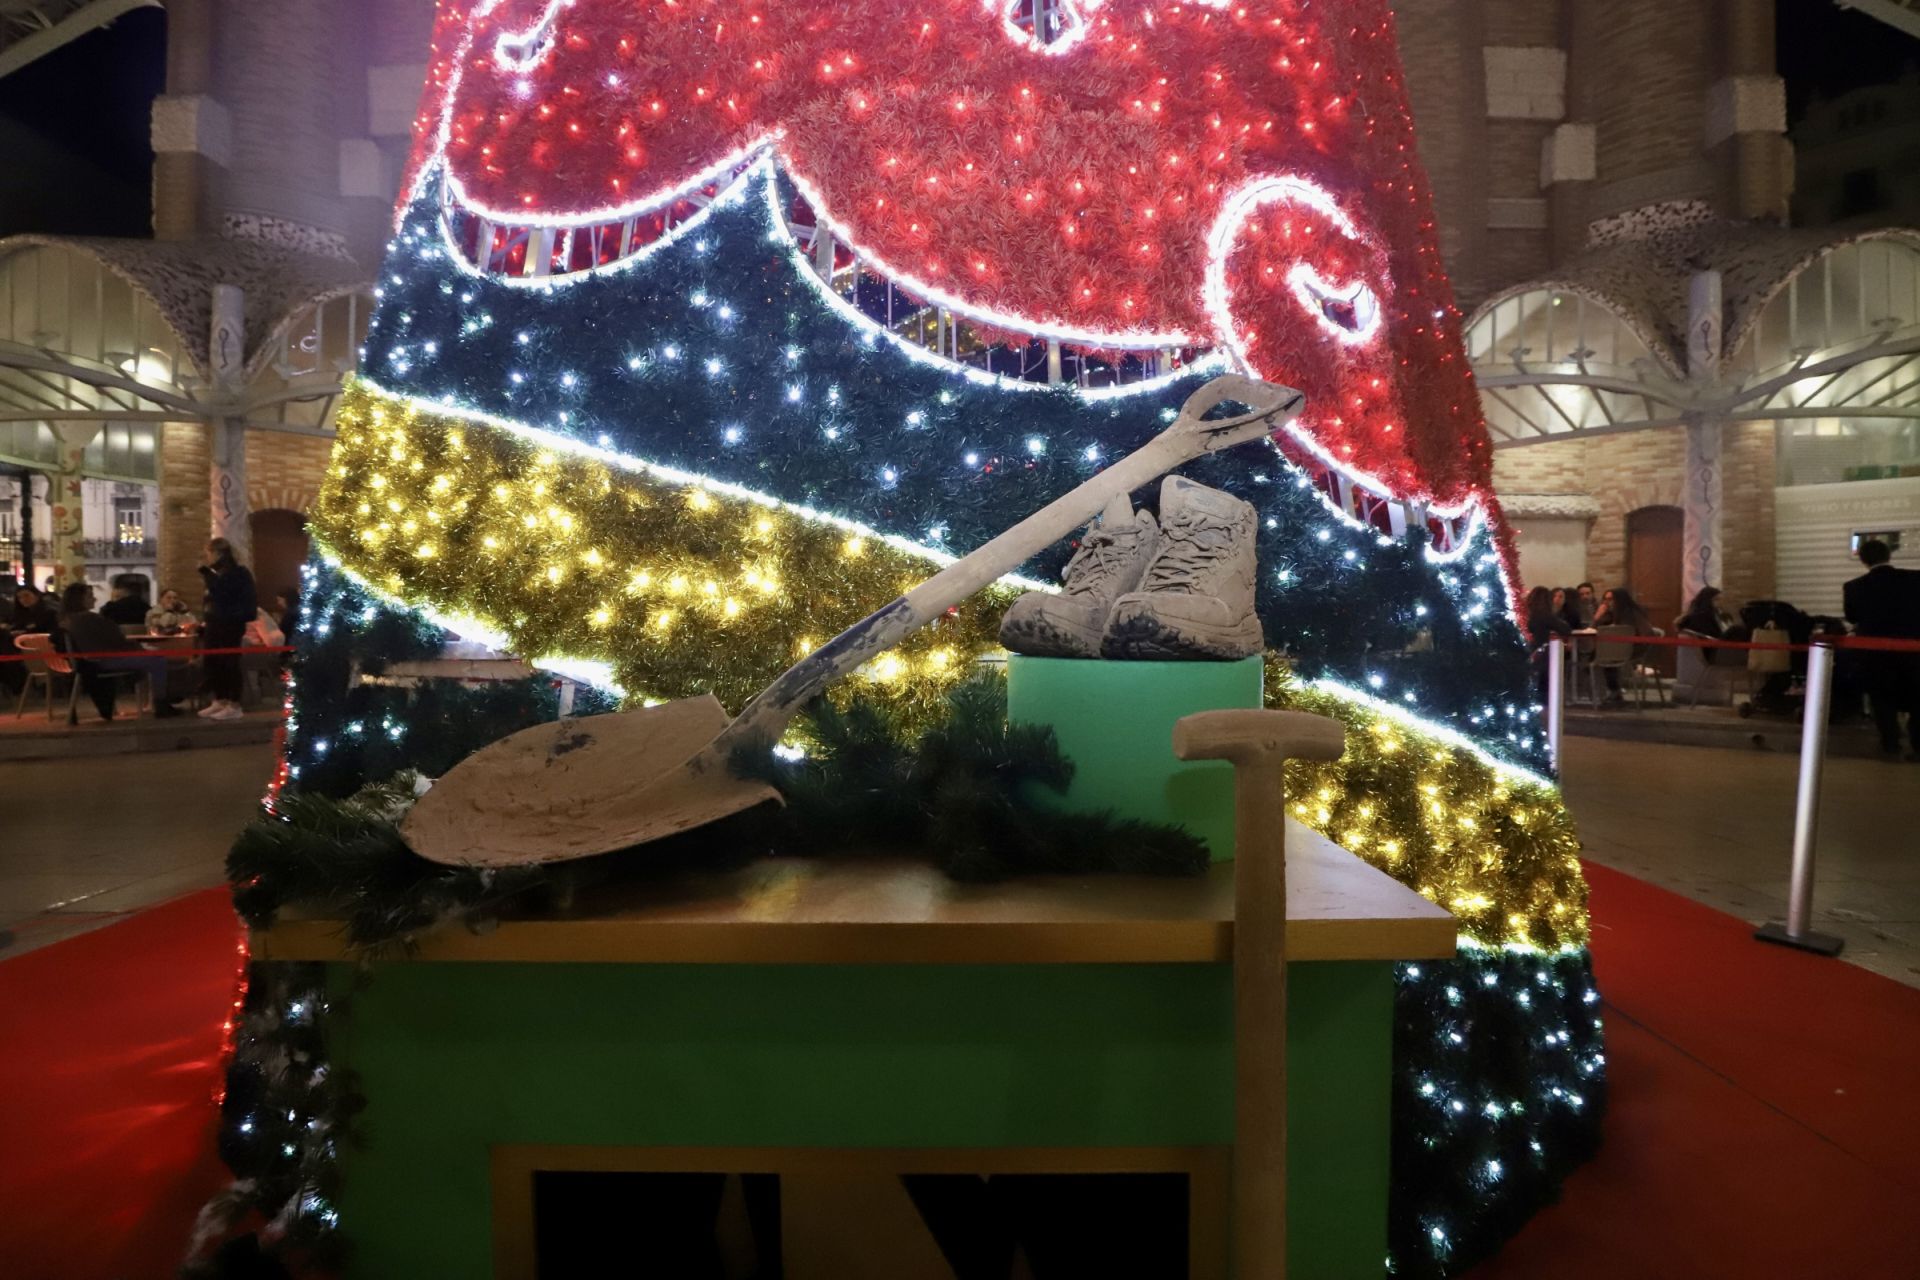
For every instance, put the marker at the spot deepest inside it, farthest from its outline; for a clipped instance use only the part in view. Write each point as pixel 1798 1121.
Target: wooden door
pixel 279 549
pixel 1655 545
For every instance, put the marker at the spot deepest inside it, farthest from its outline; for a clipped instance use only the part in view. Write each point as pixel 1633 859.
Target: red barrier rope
pixel 1878 643
pixel 169 651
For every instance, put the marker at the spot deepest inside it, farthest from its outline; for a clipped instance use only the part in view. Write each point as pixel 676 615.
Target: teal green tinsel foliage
pixel 348 732
pixel 1499 1094
pixel 287 1111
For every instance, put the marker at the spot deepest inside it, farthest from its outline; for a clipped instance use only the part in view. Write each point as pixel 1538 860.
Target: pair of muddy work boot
pixel 1177 588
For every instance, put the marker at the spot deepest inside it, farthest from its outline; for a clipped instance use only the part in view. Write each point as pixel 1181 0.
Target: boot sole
pixel 1036 639
pixel 1141 636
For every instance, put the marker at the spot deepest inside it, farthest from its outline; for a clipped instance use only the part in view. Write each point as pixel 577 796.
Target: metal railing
pixel 1796 930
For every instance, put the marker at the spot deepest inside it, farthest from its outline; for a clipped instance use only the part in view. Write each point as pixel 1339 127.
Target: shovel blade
pixel 581 786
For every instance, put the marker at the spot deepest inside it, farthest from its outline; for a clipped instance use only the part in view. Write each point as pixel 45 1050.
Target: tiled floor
pixel 85 841
pixel 1717 826
pixel 82 842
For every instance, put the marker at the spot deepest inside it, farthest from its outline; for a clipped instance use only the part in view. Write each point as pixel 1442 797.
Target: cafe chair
pixel 1694 673
pixel 50 662
pixel 40 671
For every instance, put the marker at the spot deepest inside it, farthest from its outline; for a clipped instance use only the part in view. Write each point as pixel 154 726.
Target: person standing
pixel 1884 602
pixel 232 603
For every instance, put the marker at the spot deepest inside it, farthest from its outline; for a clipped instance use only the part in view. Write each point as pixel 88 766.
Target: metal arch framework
pixel 32 29
pixel 1903 15
pixel 79 344
pixel 1839 338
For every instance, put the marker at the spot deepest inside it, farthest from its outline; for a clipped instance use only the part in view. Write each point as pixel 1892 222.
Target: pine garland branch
pixel 969 791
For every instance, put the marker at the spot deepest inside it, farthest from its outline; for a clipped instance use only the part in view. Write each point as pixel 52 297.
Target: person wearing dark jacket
pixel 1544 621
pixel 125 608
pixel 32 615
pixel 1885 602
pixel 88 632
pixel 231 604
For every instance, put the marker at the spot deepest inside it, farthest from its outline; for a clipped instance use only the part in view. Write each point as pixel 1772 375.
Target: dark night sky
pixel 90 100
pixel 1828 50
pixel 92 97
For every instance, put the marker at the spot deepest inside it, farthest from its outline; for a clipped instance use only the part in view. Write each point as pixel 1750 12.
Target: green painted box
pixel 1115 721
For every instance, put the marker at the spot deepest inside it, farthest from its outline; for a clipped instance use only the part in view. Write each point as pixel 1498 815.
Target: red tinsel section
pixel 1072 191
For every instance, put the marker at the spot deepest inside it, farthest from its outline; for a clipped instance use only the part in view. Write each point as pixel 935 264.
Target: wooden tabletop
pixel 901 911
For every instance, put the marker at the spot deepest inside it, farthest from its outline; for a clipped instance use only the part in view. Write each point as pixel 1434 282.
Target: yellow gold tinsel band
pixel 1495 848
pixel 682 587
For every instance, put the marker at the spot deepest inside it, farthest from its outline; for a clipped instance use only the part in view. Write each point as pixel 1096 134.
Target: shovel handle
pixel 1190 436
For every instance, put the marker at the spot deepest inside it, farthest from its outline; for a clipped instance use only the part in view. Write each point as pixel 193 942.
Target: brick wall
pixel 1645 469
pixel 186 508
pixel 272 61
pixel 1541 468
pixel 1446 82
pixel 283 471
pixel 1640 71
pixel 1746 490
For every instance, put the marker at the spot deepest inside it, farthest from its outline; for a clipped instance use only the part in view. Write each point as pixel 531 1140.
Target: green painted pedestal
pixel 458 1059
pixel 867 1009
pixel 1115 721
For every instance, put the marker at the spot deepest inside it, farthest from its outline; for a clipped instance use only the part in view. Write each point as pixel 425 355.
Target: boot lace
pixel 1102 556
pixel 1189 553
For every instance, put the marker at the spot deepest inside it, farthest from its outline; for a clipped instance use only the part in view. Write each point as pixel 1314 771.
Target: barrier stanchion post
pixel 1797 931
pixel 1556 694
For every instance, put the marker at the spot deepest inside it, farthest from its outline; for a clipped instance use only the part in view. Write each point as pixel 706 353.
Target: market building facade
pixel 1681 390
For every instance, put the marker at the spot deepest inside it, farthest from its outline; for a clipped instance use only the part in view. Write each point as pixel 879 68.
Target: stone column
pixel 227 435
pixel 1701 503
pixel 192 131
pixel 64 502
pixel 1746 118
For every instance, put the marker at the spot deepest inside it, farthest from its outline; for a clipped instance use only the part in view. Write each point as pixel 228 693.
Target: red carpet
pixel 1765 1112
pixel 111 1057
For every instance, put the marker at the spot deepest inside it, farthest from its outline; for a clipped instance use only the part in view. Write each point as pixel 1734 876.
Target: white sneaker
pixel 206 712
pixel 1197 599
pixel 1112 560
pixel 227 711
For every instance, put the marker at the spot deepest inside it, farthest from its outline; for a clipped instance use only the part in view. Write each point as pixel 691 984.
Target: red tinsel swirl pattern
pixel 1080 188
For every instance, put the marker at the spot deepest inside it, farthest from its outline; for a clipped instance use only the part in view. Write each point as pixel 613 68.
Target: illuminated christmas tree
pixel 706 326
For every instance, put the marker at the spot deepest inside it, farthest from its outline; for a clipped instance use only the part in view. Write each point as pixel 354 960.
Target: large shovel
pixel 590 785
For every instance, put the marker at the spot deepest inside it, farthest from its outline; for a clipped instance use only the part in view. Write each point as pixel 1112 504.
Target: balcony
pixel 96 550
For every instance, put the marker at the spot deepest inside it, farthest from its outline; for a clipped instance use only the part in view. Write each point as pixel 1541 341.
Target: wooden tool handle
pixel 1259 744
pixel 1190 436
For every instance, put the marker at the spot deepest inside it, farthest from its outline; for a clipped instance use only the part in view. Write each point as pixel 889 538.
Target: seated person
pixel 126 607
pixel 1545 619
pixel 32 615
pixel 1705 617
pixel 89 632
pixel 1620 609
pixel 171 616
